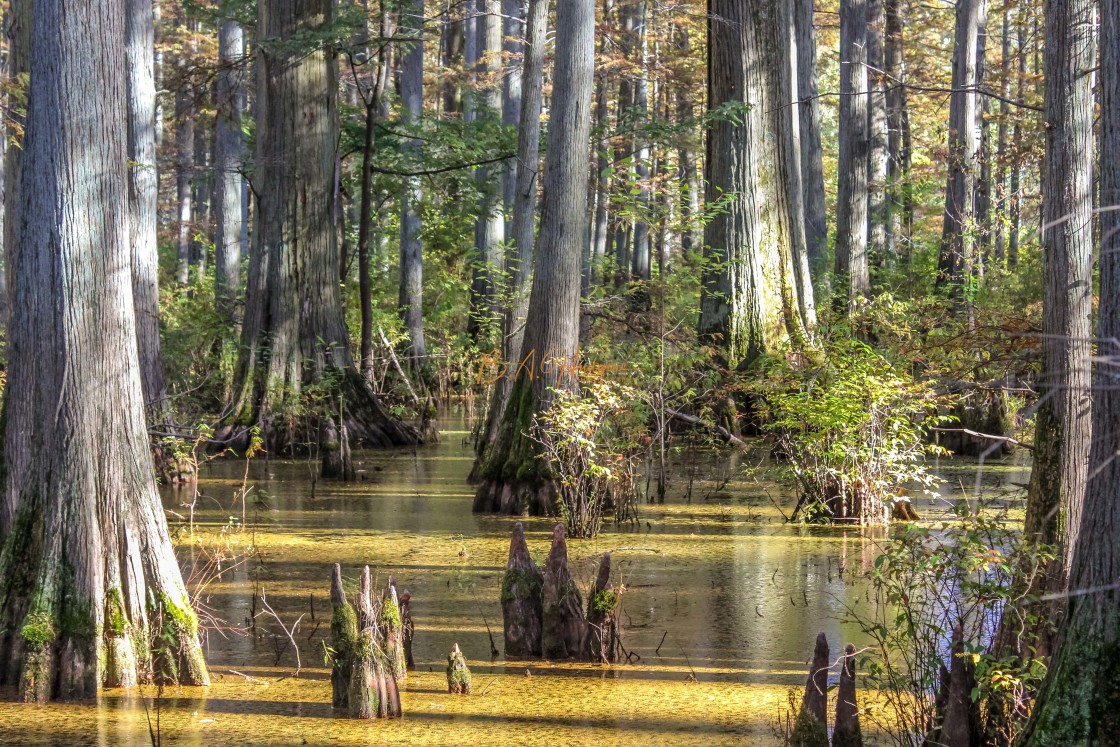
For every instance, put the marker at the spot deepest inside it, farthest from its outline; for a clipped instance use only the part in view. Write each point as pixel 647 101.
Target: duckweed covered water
pixel 723 601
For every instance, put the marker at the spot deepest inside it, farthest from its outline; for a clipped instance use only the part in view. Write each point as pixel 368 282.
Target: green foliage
pixel 850 427
pixel 584 441
pixel 969 573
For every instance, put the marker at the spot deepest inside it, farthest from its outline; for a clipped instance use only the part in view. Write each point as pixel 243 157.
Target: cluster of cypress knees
pixel 543 615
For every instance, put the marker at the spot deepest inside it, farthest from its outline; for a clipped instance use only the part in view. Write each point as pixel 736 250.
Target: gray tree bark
pixel 513 33
pixel 1062 422
pixel 1076 704
pixel 513 479
pixel 956 263
pixel 852 264
pixel 749 298
pixel 294 331
pixel 229 155
pixel 411 296
pixel 90 590
pixel 143 199
pixel 18 22
pixel 898 126
pixel 880 241
pixel 520 260
pixel 812 154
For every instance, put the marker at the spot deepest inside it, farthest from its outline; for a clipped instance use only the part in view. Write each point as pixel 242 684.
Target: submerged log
pixel 563 621
pixel 361 678
pixel 407 628
pixel 846 732
pixel 962 726
pixel 522 595
pixel 601 638
pixel 811 728
pixel 391 626
pixel 458 676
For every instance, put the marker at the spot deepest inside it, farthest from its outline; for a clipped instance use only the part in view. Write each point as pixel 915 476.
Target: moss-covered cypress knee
pixel 458 675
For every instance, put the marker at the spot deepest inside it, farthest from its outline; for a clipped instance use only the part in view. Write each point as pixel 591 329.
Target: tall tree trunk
pixel 956 263
pixel 294 331
pixel 200 192
pixel 489 230
pixel 1015 209
pixel 852 169
pixel 520 259
pixel 790 147
pixel 601 229
pixel 983 223
pixel 411 298
pixel 229 154
pixel 18 26
pixel 812 154
pixel 1077 702
pixel 999 237
pixel 898 127
pixel 143 199
pixel 451 55
pixel 513 31
pixel 640 250
pixel 748 302
pixel 880 241
pixel 185 116
pixel 1062 422
pixel 90 590
pixel 514 479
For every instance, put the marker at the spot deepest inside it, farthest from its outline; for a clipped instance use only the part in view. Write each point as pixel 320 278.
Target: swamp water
pixel 719 590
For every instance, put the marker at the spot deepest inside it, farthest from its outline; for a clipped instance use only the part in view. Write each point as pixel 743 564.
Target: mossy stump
pixel 563 621
pixel 810 729
pixel 847 732
pixel 391 626
pixel 522 596
pixel 458 675
pixel 601 639
pixel 362 683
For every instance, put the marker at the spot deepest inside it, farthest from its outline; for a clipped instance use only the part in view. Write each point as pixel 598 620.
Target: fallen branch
pixel 990 437
pixel 719 430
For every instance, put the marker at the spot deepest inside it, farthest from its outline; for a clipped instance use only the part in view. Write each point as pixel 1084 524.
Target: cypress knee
pixel 811 728
pixel 361 678
pixel 563 621
pixel 392 632
pixel 458 676
pixel 407 628
pixel 601 639
pixel 522 589
pixel 847 732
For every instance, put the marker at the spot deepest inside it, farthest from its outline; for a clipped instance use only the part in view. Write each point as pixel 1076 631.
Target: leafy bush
pixel 969 573
pixel 587 440
pixel 849 428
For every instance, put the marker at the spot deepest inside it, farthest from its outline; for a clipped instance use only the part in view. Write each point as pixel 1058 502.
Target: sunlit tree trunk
pixel 956 263
pixel 143 197
pixel 983 223
pixel 898 125
pixel 1062 422
pixel 294 332
pixel 513 32
pixel 640 248
pixel 852 267
pixel 514 480
pixel 749 298
pixel 229 154
pixel 812 154
pixel 880 241
pixel 411 298
pixel 520 260
pixel 489 233
pixel 1077 703
pixel 90 590
pixel 17 23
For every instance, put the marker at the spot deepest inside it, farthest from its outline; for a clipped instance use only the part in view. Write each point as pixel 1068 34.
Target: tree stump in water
pixel 811 728
pixel 961 726
pixel 407 628
pixel 846 732
pixel 601 638
pixel 361 680
pixel 458 676
pixel 391 627
pixel 563 621
pixel 334 444
pixel 522 594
